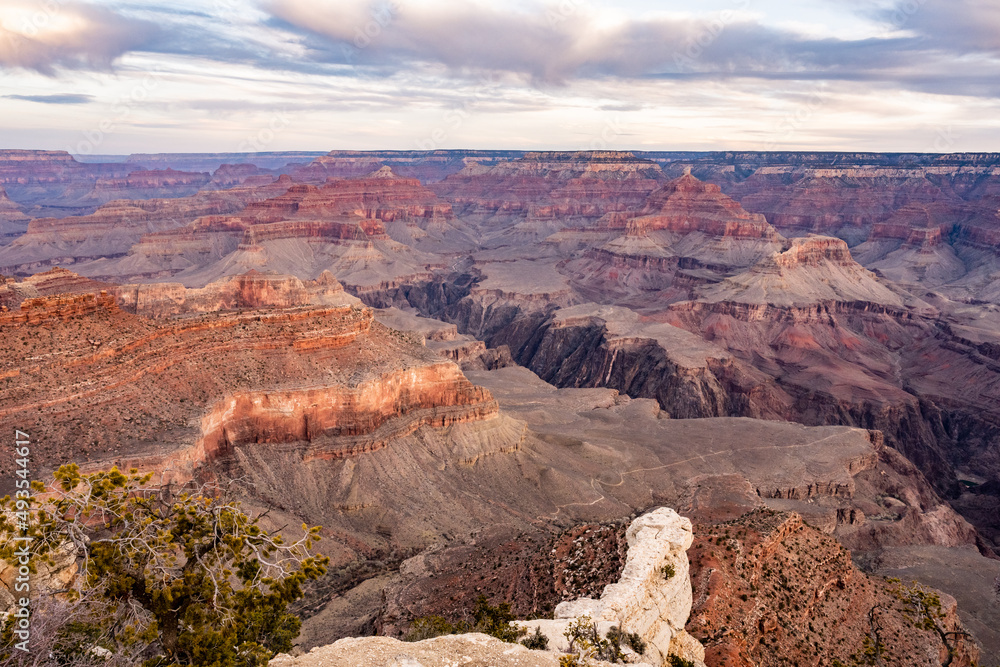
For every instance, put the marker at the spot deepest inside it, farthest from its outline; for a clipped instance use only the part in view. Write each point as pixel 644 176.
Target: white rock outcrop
pixel 648 599
pixel 645 601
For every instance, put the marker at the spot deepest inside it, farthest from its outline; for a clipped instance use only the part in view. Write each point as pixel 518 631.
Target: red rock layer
pixel 250 290
pixel 546 186
pixel 846 202
pixel 770 590
pixel 379 196
pixel 53 309
pixel 116 226
pixel 98 385
pixel 20 167
pixel 686 204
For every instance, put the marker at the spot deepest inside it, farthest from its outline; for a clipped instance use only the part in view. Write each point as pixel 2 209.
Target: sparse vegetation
pixel 488 619
pixel 187 579
pixel 668 571
pixel 586 644
pixel 536 641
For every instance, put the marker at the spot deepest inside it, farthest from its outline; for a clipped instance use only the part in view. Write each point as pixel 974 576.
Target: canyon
pixel 450 359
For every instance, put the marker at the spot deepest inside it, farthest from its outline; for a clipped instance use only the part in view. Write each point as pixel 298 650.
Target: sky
pixel 103 77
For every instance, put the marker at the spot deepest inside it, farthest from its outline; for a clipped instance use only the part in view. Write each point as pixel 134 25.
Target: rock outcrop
pixel 528 199
pixel 251 290
pixel 53 183
pixel 347 227
pixel 811 270
pixel 447 651
pixel 652 598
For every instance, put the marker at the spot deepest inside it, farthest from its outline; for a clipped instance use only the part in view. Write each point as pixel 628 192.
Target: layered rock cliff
pixel 247 291
pixel 112 230
pixel 176 394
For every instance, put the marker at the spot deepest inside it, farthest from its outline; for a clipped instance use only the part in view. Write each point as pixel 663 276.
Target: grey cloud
pixel 98 38
pixel 469 39
pixel 964 26
pixel 67 98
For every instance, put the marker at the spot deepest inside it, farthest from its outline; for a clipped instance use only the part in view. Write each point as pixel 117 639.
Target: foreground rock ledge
pixel 644 601
pixel 447 651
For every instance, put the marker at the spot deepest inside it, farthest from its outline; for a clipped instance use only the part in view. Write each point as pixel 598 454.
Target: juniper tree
pixel 184 578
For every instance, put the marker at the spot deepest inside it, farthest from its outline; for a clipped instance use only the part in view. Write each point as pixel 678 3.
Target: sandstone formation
pixel 89 242
pixel 344 226
pixel 812 270
pixel 427 166
pixel 164 408
pixel 527 199
pixel 251 290
pixel 687 232
pixel 645 601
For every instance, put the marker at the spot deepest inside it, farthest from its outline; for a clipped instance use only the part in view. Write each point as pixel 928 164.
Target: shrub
pixel 490 620
pixel 537 641
pixel 185 579
pixel 668 571
pixel 428 627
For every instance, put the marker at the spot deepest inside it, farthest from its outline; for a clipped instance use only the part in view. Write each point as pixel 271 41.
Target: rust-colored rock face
pixel 770 590
pixel 172 395
pixel 114 227
pixel 688 205
pixel 56 309
pixel 544 192
pixel 251 290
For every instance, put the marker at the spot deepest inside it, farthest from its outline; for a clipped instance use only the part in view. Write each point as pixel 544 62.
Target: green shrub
pixel 537 641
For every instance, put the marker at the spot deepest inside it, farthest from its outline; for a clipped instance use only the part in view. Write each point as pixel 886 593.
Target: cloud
pixel 961 26
pixel 67 98
pixel 547 46
pixel 70 35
